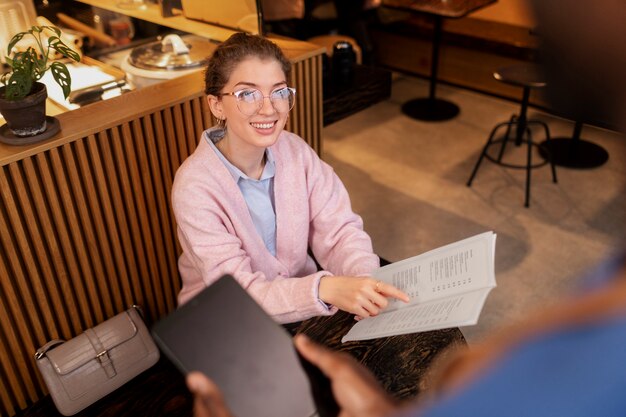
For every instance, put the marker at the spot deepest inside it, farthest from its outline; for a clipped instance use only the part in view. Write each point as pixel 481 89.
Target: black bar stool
pixel 526 76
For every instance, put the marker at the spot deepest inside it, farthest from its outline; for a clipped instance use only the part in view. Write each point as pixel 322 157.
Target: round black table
pixel 575 152
pixel 400 363
pixel 431 108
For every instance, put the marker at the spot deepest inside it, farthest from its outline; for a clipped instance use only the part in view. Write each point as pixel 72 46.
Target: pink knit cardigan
pixel 313 210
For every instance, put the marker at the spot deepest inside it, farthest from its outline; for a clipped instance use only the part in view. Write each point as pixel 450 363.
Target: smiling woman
pixel 256 202
pixel 254 123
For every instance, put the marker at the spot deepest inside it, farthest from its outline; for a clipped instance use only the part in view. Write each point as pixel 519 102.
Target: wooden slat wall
pixel 307 115
pixel 87 232
pixel 87 228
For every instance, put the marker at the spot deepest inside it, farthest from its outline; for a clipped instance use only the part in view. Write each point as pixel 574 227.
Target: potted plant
pixel 23 98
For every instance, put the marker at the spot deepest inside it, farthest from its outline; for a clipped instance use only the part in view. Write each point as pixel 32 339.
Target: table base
pixel 431 110
pixel 578 154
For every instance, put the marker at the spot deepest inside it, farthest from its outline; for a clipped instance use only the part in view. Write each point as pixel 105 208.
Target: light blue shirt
pixel 259 194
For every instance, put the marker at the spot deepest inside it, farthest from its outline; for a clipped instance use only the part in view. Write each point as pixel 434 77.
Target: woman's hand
pixel 355 389
pixel 363 296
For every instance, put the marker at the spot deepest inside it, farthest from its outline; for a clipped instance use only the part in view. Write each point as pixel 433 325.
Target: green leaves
pixel 18 86
pixel 55 43
pixel 62 77
pixel 14 40
pixel 29 66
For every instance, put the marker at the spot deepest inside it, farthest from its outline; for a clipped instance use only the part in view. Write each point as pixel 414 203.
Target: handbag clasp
pixel 106 363
pixel 101 354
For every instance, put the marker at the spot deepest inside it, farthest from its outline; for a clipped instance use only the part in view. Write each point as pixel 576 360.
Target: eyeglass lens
pixel 250 102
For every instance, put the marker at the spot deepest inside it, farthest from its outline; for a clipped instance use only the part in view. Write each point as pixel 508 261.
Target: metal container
pixel 166 59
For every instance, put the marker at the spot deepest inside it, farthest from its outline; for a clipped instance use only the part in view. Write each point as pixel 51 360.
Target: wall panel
pixel 87 230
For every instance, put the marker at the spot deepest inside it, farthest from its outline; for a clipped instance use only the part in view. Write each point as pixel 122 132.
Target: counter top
pixel 99 116
pixel 117 110
pixel 451 9
pixel 295 50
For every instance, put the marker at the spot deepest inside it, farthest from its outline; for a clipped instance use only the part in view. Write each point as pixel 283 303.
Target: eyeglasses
pixel 250 101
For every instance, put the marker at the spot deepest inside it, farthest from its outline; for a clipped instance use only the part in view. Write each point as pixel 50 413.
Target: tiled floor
pixel 407 179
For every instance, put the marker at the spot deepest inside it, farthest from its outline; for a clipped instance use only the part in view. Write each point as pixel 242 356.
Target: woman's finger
pixel 379 299
pixel 371 308
pixel 389 290
pixel 360 310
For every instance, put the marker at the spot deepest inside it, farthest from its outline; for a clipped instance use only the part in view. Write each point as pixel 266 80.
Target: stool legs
pixel 506 136
pixel 485 148
pixel 519 136
pixel 521 121
pixel 528 166
pixel 550 156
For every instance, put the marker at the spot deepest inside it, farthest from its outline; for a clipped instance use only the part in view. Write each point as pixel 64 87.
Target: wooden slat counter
pixel 85 217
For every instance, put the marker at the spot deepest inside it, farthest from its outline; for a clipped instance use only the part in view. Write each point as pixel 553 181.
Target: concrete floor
pixel 407 180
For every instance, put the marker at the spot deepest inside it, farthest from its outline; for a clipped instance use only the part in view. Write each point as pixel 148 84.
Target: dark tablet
pixel 225 334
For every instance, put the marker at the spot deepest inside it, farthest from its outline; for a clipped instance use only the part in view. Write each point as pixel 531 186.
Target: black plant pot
pixel 26 117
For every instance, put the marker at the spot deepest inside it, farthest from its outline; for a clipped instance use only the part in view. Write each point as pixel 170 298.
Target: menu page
pixel 448 287
pixel 452 269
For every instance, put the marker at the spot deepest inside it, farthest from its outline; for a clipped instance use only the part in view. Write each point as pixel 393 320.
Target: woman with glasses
pixel 255 201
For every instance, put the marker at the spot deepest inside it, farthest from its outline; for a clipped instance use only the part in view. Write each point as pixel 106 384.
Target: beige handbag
pixel 80 371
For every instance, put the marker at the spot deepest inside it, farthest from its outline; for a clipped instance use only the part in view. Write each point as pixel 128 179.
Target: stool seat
pixel 522 75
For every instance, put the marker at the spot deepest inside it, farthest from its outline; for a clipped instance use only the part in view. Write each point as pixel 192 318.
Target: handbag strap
pixel 139 310
pixel 101 353
pixel 41 352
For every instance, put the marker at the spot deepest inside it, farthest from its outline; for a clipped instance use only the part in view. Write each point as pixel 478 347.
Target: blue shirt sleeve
pixel 576 371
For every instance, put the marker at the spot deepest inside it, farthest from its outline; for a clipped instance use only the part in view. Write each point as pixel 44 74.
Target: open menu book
pixel 447 286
